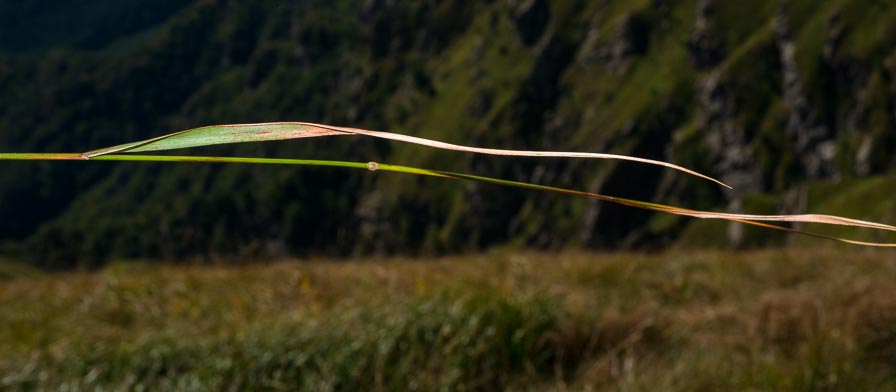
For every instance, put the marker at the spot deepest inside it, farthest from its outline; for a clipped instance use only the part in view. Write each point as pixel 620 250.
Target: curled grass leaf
pixel 238 133
pixel 222 134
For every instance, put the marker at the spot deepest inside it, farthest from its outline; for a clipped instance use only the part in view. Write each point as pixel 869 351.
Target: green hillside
pixel 774 98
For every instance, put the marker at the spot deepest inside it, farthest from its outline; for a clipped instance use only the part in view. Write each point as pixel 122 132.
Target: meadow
pixel 822 319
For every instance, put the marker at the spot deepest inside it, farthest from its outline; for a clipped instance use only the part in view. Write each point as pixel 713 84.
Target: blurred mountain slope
pixel 764 95
pixel 39 25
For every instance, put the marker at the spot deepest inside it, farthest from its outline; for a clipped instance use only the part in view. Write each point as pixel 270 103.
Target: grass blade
pixel 755 220
pixel 238 133
pixel 28 156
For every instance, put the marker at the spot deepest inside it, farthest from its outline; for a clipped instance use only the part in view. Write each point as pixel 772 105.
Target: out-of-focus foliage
pixel 771 320
pixel 762 95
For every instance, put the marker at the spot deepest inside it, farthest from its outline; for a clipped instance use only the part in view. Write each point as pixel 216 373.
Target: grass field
pixel 763 320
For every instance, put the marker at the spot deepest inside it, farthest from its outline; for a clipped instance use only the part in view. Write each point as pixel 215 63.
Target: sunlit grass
pixel 679 321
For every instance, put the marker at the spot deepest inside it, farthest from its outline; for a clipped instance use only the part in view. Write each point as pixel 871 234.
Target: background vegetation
pixel 792 102
pixel 781 320
pixel 785 100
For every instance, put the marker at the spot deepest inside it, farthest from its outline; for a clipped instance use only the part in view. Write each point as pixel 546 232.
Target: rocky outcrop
pixel 629 38
pixel 531 18
pixel 729 146
pixel 728 143
pixel 632 37
pixel 704 46
pixel 812 139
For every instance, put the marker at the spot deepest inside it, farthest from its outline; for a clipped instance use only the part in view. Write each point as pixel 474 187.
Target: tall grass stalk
pixel 238 133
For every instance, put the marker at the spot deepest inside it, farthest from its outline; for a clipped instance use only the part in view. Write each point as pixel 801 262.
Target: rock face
pixel 531 18
pixel 792 93
pixel 812 139
pixel 704 45
pixel 725 137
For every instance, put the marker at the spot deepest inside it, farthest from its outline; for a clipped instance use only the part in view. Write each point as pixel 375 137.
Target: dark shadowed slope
pixel 775 100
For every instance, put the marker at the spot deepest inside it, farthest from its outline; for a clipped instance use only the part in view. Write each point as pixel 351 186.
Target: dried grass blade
pixel 237 133
pixel 755 220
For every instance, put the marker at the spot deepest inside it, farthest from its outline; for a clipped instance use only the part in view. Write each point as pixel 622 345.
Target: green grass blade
pixel 42 157
pixel 755 220
pixel 220 134
pixel 240 133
